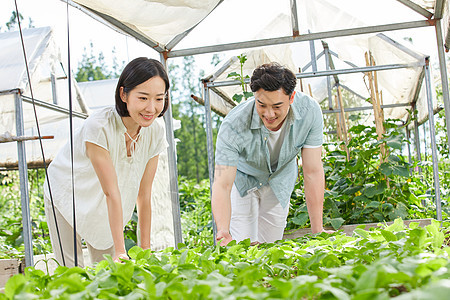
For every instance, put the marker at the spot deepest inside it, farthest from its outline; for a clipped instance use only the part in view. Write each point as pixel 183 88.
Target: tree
pixel 91 67
pixel 13 25
pixel 192 160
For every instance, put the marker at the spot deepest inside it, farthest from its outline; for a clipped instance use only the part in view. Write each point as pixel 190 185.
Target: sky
pixel 54 13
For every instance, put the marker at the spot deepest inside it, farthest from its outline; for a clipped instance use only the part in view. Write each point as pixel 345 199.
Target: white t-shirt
pixel 105 129
pixel 274 143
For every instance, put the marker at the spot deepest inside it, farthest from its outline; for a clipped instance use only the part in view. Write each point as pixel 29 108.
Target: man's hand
pixel 225 236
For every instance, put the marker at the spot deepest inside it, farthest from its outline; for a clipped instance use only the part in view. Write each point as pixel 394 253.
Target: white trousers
pixel 66 235
pixel 258 216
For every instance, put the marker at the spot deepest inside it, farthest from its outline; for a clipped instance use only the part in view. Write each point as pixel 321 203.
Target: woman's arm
pixel 104 168
pixel 144 202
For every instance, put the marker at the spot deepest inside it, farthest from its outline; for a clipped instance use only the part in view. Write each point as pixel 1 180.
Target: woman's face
pixel 146 101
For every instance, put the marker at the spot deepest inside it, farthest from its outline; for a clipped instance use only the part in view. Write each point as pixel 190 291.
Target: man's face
pixel 273 107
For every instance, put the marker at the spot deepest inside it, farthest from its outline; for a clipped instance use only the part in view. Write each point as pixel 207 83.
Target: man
pixel 256 168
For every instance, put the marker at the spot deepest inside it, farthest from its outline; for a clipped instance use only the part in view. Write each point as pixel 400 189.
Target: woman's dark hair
pixel 137 71
pixel 271 77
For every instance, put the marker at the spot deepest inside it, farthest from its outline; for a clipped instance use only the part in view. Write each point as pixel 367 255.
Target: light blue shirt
pixel 242 143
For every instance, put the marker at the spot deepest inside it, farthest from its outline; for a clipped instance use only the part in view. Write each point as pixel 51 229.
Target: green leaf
pixel 248 95
pixel 371 190
pixel 300 219
pixel 134 251
pixel 367 280
pixel 352 189
pixel 373 204
pixel 233 74
pixel 398 225
pixel 401 171
pixel 238 97
pixel 394 142
pixel 362 233
pixel 336 223
pixel 389 236
pixel 385 169
pixel 14 285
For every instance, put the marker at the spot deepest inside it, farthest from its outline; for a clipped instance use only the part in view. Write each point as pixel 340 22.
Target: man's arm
pixel 221 201
pixel 314 180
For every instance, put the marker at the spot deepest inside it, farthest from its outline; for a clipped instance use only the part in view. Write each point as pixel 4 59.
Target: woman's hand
pixel 120 257
pixel 224 236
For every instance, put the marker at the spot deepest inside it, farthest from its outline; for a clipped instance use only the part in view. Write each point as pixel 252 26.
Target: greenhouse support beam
pixel 418 86
pixel 417 137
pixel 173 172
pixel 412 53
pixel 23 174
pixel 408 137
pixel 224 97
pixel 349 109
pixel 54 94
pixel 210 150
pixel 53 107
pixel 300 38
pixel 439 9
pixel 10 92
pixel 327 73
pixel 305 67
pixel 444 78
pixel 434 153
pixel 312 51
pixel 294 18
pixel 417 8
pixel 327 66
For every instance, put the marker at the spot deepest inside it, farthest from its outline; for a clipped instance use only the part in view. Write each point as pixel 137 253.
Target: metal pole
pixel 312 50
pixel 327 73
pixel 408 137
pixel 23 174
pixel 54 94
pixel 417 139
pixel 173 172
pixel 433 142
pixel 294 39
pixel 294 18
pixel 444 78
pixel 327 65
pixel 210 149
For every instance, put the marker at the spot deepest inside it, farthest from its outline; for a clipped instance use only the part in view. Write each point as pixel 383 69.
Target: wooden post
pixel 338 120
pixel 343 122
pixel 374 97
pixel 301 81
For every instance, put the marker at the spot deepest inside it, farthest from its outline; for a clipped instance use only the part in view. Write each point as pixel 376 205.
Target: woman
pixel 115 159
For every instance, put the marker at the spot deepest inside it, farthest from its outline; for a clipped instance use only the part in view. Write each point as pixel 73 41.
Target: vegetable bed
pixel 406 262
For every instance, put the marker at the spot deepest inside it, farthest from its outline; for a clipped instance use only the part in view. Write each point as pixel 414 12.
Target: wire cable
pixel 38 130
pixel 71 140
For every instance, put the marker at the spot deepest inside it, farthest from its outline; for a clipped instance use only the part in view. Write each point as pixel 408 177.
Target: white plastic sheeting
pixel 43 60
pixel 397 86
pixel 159 20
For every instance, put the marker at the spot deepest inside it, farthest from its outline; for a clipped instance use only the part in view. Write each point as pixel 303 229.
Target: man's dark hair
pixel 271 77
pixel 137 71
